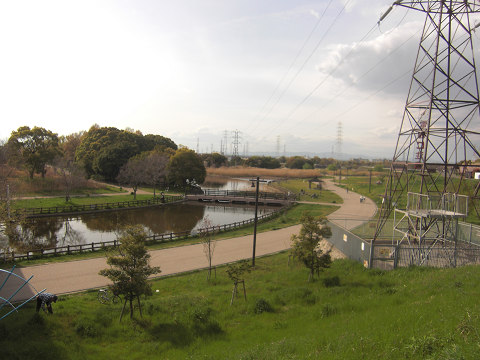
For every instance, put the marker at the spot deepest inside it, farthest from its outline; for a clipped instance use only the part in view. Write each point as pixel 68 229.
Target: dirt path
pixel 74 276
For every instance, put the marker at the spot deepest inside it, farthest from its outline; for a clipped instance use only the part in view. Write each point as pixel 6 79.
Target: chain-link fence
pixel 389 252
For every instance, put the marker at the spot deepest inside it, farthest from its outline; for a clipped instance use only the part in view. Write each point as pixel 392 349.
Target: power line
pixel 293 63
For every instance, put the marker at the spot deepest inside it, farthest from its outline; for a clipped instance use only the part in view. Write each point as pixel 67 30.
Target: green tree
pixel 186 167
pixel 33 149
pixel 104 150
pixel 130 268
pixel 305 245
pixel 296 162
pixel 264 162
pixel 214 159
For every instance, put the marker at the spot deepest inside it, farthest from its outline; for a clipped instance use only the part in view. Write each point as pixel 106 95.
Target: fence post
pixel 171 236
pixel 93 246
pixel 395 258
pixel 68 249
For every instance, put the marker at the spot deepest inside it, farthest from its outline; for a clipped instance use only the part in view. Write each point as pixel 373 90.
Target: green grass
pixel 295 186
pixel 288 218
pixel 410 313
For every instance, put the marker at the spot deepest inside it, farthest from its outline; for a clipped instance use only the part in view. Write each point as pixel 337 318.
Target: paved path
pixel 74 276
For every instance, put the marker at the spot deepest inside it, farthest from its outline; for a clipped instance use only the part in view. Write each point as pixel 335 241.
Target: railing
pixel 246 194
pixel 152 239
pixel 58 210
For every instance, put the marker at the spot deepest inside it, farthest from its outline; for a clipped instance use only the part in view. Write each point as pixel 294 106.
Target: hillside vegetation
pixel 349 313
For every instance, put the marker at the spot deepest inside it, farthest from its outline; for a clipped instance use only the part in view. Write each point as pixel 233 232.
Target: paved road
pixel 74 276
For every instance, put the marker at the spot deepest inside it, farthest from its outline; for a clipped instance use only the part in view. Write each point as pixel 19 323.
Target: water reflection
pixel 227 183
pixel 100 227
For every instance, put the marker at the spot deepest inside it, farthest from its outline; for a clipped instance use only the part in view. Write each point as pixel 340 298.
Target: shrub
pixel 262 305
pixel 331 281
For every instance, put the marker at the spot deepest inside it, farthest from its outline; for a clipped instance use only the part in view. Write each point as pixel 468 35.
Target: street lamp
pixel 257 180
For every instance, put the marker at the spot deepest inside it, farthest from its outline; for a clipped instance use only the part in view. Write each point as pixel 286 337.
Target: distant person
pixel 46 299
pixel 163 197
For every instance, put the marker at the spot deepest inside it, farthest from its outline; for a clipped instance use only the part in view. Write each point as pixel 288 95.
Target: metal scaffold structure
pixel 438 137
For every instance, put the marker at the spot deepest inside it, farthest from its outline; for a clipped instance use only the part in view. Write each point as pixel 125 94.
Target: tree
pixel 296 162
pixel 206 234
pixel 305 245
pixel 214 159
pixel 72 174
pixel 235 272
pixel 265 162
pixel 104 150
pixel 186 167
pixel 156 169
pixel 69 145
pixel 129 267
pixel 33 149
pixel 133 174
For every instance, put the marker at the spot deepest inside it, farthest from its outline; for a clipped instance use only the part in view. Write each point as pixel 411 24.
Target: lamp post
pixel 255 222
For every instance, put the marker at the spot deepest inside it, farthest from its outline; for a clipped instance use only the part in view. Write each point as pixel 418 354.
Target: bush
pixel 331 281
pixel 262 305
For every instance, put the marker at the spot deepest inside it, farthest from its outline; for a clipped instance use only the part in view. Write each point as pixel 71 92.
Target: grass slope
pixel 349 313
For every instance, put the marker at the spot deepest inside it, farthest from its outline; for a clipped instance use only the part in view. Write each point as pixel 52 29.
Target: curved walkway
pixel 75 276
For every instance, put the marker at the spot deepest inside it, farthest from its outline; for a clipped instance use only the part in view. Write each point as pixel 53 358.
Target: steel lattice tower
pixel 440 129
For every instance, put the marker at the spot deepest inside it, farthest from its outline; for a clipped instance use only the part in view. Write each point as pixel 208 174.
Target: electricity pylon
pixel 440 130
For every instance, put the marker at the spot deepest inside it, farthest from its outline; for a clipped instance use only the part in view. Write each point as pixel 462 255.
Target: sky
pixel 287 76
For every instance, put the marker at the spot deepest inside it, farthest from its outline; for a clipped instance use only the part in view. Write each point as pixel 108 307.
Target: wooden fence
pixel 60 210
pixel 152 239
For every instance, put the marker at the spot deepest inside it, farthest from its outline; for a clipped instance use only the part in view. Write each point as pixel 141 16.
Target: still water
pixel 237 184
pixel 101 227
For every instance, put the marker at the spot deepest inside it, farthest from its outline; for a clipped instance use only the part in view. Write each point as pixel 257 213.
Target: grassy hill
pixel 349 313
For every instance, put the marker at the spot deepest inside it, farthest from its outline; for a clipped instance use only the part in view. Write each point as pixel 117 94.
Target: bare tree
pixel 72 174
pixel 133 174
pixel 156 169
pixel 206 233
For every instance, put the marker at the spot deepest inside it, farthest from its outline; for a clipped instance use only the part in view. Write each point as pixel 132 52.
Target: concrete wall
pixel 351 245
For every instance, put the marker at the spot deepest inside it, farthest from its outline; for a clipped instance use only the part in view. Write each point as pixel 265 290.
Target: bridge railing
pixel 245 194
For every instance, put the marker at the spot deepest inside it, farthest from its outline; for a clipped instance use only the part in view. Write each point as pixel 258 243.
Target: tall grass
pixel 265 173
pixel 410 313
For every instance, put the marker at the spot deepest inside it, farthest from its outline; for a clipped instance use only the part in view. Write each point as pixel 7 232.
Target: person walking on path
pixel 46 299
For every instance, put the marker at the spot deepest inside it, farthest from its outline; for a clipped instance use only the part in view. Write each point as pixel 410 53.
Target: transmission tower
pixel 439 135
pixel 277 149
pixel 224 149
pixel 339 139
pixel 236 143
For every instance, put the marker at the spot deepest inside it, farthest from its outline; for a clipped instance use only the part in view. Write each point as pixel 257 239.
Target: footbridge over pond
pixel 242 197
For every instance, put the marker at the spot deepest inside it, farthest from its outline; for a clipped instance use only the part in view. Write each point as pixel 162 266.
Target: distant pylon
pixel 339 139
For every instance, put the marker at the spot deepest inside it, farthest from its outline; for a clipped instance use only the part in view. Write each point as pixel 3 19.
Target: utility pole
pixel 255 223
pixel 370 180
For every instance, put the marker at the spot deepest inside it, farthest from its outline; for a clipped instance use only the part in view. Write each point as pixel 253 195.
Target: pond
pixel 235 184
pixel 101 227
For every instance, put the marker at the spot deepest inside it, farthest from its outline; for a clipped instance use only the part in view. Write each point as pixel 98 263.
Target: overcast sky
pixel 280 72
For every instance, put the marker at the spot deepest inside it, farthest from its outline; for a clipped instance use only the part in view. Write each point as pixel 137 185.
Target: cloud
pixel 373 64
pixel 315 13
